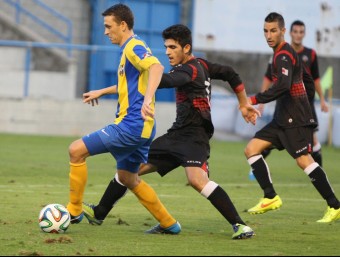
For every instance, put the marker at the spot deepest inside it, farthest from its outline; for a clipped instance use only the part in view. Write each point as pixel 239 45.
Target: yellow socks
pixel 78 179
pixel 149 199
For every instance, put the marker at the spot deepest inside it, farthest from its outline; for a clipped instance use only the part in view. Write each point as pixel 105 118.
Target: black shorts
pixel 187 147
pixel 297 141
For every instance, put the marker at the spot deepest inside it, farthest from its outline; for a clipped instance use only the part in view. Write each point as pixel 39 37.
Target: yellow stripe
pixel 143 80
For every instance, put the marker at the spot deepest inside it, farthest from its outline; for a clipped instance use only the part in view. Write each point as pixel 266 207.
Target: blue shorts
pixel 128 150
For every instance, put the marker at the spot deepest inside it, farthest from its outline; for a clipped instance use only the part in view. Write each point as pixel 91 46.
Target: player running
pixel 129 137
pixel 187 142
pixel 310 61
pixel 292 126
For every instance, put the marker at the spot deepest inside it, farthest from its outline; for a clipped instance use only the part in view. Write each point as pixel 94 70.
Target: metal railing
pixel 21 10
pixel 30 45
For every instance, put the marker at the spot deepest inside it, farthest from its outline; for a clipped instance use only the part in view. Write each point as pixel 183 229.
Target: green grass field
pixel 34 172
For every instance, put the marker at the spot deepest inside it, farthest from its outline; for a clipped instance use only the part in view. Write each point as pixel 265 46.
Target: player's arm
pixel 281 86
pixel 266 83
pixel 249 113
pixel 222 72
pixel 318 89
pixel 92 97
pixel 142 59
pixel 228 74
pixel 176 78
pixel 155 76
pixel 317 81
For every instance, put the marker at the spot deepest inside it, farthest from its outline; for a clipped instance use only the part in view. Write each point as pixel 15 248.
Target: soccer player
pixel 310 61
pixel 186 143
pixel 129 137
pixel 292 125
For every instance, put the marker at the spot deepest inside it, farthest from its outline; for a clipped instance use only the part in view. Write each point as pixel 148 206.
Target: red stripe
pixel 313 55
pixel 194 71
pixel 239 88
pixel 253 100
pixel 201 104
pixel 287 53
pixel 181 97
pixel 204 64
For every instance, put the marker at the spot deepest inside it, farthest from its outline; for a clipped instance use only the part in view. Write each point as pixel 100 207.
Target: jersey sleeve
pixel 141 57
pixel 177 77
pixel 224 73
pixel 283 63
pixel 315 66
pixel 268 74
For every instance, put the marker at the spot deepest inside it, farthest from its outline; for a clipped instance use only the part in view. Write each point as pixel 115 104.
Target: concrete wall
pixel 78 11
pixel 74 118
pixel 68 118
pixel 41 83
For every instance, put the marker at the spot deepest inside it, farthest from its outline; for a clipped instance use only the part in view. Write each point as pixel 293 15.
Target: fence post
pixel 27 70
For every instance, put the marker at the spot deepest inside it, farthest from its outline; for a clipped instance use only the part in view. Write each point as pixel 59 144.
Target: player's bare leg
pixel 146 168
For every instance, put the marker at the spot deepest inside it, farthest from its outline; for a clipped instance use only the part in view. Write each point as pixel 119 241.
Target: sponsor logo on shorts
pixel 301 150
pixel 103 130
pixel 194 162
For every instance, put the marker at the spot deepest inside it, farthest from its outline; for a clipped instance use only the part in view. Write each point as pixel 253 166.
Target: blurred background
pixel 51 52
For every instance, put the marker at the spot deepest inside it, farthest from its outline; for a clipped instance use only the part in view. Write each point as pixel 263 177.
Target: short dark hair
pixel 275 17
pixel 122 13
pixel 180 33
pixel 296 23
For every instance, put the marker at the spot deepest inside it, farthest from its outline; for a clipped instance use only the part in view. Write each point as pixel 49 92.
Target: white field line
pixel 20 188
pixel 172 196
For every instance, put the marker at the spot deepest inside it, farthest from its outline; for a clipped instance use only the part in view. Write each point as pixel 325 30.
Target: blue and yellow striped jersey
pixel 133 75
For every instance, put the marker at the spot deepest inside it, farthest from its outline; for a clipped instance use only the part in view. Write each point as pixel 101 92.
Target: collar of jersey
pixel 126 42
pixel 280 46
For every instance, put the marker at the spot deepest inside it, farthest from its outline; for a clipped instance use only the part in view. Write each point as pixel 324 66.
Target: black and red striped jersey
pixel 310 61
pixel 192 81
pixel 311 68
pixel 288 89
pixel 307 80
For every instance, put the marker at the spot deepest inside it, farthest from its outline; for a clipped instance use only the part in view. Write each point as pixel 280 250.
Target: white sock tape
pixel 209 188
pixel 311 168
pixel 254 159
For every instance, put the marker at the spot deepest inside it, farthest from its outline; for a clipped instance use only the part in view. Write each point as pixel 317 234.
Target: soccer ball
pixel 54 218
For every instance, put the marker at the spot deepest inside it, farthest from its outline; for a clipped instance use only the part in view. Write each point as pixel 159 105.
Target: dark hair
pixel 275 17
pixel 296 23
pixel 122 13
pixel 180 33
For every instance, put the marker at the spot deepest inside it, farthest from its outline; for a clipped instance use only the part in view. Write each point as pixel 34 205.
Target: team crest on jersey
pixel 121 70
pixel 305 58
pixel 146 55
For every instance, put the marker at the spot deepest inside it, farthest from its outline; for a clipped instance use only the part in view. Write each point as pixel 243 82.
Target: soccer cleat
pixel 242 232
pixel 76 219
pixel 330 215
pixel 251 175
pixel 89 214
pixel 265 205
pixel 172 230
